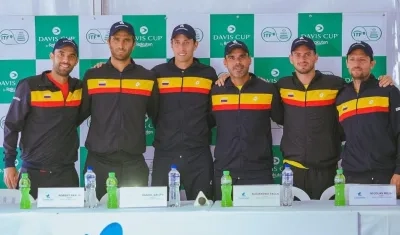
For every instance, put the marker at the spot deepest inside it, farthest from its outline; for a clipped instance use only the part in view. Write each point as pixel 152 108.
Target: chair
pixel 300 194
pixel 103 200
pixel 12 196
pixel 330 192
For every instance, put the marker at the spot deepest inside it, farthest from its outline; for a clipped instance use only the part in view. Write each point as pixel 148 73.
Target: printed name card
pixel 143 197
pixel 257 195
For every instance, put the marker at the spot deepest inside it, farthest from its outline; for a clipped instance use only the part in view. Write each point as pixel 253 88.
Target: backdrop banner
pixel 27 41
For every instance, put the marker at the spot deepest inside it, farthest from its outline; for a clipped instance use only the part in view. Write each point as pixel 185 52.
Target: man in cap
pixel 45 111
pixel 242 109
pixel 183 126
pixel 370 117
pixel 311 141
pixel 117 96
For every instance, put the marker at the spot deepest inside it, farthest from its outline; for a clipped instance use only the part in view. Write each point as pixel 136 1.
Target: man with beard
pixel 117 97
pixel 311 141
pixel 370 117
pixel 242 109
pixel 44 110
pixel 183 128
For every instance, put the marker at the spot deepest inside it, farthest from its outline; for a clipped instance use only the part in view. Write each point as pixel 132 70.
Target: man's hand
pixel 11 177
pixel 98 65
pixel 396 181
pixel 221 79
pixel 385 81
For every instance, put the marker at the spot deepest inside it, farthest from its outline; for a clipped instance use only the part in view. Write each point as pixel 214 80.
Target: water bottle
pixel 226 190
pixel 25 187
pixel 287 186
pixel 90 188
pixel 340 182
pixel 112 187
pixel 174 181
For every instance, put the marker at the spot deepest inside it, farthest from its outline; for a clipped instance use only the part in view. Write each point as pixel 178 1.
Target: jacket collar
pixel 171 63
pixel 251 81
pixel 316 78
pixel 132 65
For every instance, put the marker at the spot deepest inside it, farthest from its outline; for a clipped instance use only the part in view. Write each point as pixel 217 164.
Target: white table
pixel 310 217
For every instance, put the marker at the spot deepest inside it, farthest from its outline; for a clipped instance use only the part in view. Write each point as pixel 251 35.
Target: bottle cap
pixel 173 166
pixel 111 174
pixel 24 175
pixel 89 168
pixel 226 172
pixel 339 171
pixel 287 165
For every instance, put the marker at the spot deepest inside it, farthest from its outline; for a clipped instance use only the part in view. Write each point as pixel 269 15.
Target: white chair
pixel 12 196
pixel 103 200
pixel 300 194
pixel 330 192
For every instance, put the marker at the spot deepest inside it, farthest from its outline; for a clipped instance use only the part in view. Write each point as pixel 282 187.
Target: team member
pixel 117 96
pixel 311 141
pixel 370 117
pixel 183 132
pixel 242 109
pixel 45 111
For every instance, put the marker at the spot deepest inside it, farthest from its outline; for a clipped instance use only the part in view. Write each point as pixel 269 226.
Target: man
pixel 117 96
pixel 311 141
pixel 370 117
pixel 45 110
pixel 242 109
pixel 183 129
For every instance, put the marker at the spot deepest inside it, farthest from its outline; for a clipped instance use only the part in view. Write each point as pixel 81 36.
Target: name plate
pixel 142 197
pixel 372 195
pixel 61 197
pixel 257 195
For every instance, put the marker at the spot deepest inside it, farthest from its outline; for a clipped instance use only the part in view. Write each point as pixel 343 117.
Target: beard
pixel 358 74
pixel 63 71
pixel 239 71
pixel 121 55
pixel 304 70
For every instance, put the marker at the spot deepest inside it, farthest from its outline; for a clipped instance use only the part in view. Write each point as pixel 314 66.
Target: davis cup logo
pixel 276 34
pixel 366 33
pixel 231 28
pixel 276 161
pixel 14 36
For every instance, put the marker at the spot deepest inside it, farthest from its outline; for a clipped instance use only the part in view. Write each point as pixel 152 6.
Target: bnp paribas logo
pixel 366 33
pixel 14 36
pixel 199 34
pixel 231 34
pixel 321 37
pixel 276 34
pixel 97 36
pixel 146 38
pixel 53 38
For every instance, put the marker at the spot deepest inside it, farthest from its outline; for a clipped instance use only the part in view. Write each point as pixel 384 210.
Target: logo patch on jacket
pixel 344 108
pixel 165 83
pixel 47 96
pixel 102 83
pixel 224 100
pixel 290 94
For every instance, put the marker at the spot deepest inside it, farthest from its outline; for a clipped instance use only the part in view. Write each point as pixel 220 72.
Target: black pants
pixel 369 177
pixel 130 170
pixel 54 178
pixel 196 171
pixel 314 181
pixel 250 178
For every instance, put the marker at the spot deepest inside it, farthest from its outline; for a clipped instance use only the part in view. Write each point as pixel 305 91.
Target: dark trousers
pixel 369 177
pixel 54 178
pixel 246 178
pixel 314 181
pixel 196 171
pixel 130 170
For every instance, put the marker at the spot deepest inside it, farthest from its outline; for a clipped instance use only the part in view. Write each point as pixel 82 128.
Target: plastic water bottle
pixel 112 187
pixel 174 181
pixel 226 190
pixel 90 187
pixel 25 187
pixel 287 186
pixel 340 183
